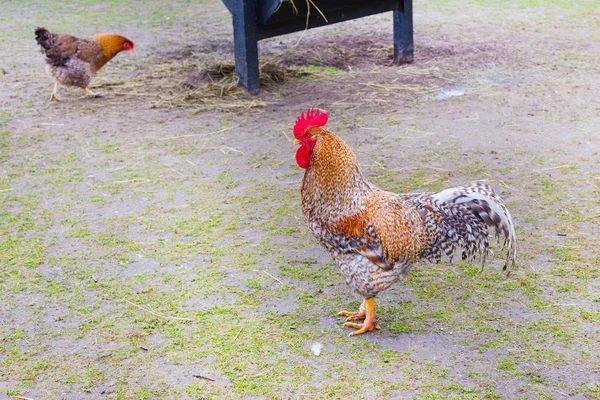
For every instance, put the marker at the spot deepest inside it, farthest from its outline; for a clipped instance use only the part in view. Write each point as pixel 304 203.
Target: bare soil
pixel 152 238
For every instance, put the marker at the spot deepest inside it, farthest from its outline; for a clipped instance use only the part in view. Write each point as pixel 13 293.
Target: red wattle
pixel 303 156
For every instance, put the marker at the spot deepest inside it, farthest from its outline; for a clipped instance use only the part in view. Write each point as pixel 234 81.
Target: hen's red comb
pixel 313 118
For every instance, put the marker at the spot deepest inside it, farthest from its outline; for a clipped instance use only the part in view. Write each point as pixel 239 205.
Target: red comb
pixel 313 118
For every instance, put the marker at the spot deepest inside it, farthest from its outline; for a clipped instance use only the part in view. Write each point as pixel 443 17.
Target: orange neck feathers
pixel 333 187
pixel 333 159
pixel 112 44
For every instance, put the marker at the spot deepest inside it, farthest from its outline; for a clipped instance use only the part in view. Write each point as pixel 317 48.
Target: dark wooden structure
pixel 254 20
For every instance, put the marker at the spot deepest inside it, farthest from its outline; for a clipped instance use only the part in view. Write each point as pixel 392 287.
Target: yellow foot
pixel 89 93
pixel 353 316
pixel 54 97
pixel 367 326
pixel 366 312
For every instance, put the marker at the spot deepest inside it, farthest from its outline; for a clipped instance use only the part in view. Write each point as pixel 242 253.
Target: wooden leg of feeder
pixel 403 33
pixel 246 45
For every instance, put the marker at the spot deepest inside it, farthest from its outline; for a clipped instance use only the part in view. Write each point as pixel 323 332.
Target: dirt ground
pixel 152 244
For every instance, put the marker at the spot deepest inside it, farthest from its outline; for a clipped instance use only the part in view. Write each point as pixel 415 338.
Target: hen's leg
pixel 354 316
pixel 54 97
pixel 369 323
pixel 88 92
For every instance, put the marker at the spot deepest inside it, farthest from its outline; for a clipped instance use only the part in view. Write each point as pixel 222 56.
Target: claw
pixel 362 328
pixel 353 316
pixel 353 325
pixel 89 93
pixel 367 313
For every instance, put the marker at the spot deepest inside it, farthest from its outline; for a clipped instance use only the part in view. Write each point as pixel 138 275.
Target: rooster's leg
pixel 369 323
pixel 54 97
pixel 355 316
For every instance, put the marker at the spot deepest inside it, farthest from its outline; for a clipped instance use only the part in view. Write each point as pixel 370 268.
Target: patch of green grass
pixel 568 253
pixel 312 72
pixel 21 251
pixel 400 327
pixel 591 316
pixel 5 116
pixel 306 270
pixel 197 225
pixel 506 364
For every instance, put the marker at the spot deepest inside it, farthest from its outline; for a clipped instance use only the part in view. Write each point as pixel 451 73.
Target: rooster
pixel 376 236
pixel 73 61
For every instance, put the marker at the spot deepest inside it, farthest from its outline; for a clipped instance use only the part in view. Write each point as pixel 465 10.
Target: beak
pixel 297 141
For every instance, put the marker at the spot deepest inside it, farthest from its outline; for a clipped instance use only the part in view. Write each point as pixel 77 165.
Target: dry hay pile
pixel 203 85
pixel 202 77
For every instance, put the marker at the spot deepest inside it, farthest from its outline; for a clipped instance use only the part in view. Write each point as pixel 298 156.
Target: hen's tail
pixel 482 202
pixel 44 38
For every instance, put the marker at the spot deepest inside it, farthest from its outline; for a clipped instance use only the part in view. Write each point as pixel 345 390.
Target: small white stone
pixel 316 348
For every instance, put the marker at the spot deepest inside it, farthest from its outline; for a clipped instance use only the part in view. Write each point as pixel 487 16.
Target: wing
pixel 59 48
pixel 388 230
pixel 399 233
pixel 374 253
pixel 412 227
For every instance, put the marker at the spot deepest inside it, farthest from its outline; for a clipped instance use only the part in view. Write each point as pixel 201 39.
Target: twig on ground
pixel 195 134
pixel 562 305
pixel 238 334
pixel 592 216
pixel 203 377
pixel 141 180
pixel 437 168
pixel 551 168
pixel 227 150
pixel 157 313
pixel 431 181
pixel 133 94
pixel 266 273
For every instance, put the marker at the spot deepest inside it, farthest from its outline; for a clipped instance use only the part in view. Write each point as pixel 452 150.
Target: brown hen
pixel 73 61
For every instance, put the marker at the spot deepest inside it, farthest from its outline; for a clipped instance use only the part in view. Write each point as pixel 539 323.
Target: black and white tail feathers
pixel 479 201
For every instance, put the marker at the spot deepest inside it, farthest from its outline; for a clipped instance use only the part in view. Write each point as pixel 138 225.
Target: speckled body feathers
pixel 376 236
